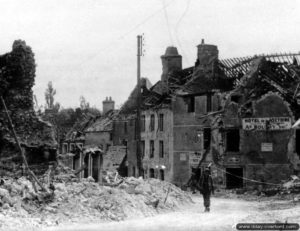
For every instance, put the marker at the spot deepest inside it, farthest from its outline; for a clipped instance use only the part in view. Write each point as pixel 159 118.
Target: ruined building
pixel 236 114
pixel 17 73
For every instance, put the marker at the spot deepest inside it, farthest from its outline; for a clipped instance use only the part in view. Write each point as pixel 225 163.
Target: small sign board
pixel 267 123
pixel 182 157
pixel 267 147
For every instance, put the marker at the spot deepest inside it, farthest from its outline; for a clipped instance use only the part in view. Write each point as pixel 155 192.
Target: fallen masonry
pixel 74 200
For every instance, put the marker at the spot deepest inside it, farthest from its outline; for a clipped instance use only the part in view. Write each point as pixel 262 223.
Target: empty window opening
pixel 233 140
pixel 151 148
pixel 162 174
pixel 206 138
pixel 65 148
pixel 125 127
pixel 76 161
pixel 152 123
pixel 191 104
pixel 161 149
pixel 143 148
pixel 298 142
pixel 236 98
pixel 143 123
pixel 208 103
pixel 151 173
pixel 234 178
pixel 161 122
pixel 86 166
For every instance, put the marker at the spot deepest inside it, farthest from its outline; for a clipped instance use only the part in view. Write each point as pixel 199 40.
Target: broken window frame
pixel 151 154
pixel 64 148
pixel 72 147
pixel 161 149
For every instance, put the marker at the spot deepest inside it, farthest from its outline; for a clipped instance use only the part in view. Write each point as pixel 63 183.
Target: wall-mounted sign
pixel 268 123
pixel 266 147
pixel 194 158
pixel 182 157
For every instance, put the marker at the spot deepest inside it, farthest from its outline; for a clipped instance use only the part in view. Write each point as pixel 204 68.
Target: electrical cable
pixel 167 21
pixel 247 179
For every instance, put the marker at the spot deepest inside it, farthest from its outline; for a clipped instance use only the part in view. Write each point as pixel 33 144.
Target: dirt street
pixel 224 215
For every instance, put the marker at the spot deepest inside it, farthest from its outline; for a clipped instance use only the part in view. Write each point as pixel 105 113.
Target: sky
pixel 88 47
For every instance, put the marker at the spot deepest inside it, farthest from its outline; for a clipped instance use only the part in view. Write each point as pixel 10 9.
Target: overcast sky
pixel 88 47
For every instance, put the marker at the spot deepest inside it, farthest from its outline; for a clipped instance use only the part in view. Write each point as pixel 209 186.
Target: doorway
pixel 234 178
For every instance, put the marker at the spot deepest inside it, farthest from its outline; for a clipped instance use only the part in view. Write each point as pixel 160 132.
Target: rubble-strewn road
pixel 224 215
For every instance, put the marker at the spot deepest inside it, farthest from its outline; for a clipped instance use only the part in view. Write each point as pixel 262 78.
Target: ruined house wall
pixel 166 136
pixel 102 139
pixel 257 163
pixel 124 130
pixel 188 135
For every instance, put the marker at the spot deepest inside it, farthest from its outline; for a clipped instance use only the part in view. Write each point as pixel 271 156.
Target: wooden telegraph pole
pixel 138 109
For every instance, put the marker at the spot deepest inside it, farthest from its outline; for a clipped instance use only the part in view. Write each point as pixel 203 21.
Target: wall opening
pixel 236 98
pixel 151 173
pixel 161 122
pixel 152 123
pixel 234 178
pixel 208 103
pixel 191 104
pixel 143 123
pixel 161 149
pixel 162 174
pixel 233 140
pixel 86 164
pixel 151 148
pixel 298 142
pixel 95 166
pixel 206 138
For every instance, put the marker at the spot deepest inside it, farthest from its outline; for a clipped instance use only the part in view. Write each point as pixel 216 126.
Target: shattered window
pixel 233 140
pixel 151 148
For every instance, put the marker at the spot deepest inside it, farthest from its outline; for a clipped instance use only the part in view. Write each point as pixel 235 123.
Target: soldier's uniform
pixel 206 188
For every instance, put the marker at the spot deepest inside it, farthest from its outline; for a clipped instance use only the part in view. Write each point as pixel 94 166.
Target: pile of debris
pixel 74 200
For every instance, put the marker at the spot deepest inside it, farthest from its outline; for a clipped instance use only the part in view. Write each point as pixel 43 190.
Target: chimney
pixel 206 53
pixel 108 105
pixel 171 61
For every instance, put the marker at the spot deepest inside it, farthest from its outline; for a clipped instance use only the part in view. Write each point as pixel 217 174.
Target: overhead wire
pixel 129 31
pixel 167 22
pixel 177 26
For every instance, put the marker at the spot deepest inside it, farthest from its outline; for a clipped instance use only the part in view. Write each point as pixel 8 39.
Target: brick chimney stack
pixel 171 61
pixel 206 54
pixel 108 105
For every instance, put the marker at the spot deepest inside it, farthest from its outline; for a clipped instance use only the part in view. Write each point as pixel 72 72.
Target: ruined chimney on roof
pixel 108 105
pixel 171 61
pixel 206 54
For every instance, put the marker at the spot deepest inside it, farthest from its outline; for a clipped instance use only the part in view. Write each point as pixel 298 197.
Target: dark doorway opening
pixel 298 142
pixel 234 178
pixel 96 165
pixel 86 164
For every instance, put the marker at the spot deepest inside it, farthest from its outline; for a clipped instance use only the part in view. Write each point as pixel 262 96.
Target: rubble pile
pixel 74 200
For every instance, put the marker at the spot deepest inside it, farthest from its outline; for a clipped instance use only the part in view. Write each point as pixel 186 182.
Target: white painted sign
pixel 194 158
pixel 272 123
pixel 182 156
pixel 266 147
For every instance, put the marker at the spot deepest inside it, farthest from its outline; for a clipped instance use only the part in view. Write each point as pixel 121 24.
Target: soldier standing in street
pixel 206 188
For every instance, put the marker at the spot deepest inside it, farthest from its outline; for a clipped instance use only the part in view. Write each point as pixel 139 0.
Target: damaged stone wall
pixel 17 74
pixel 261 151
pixel 157 162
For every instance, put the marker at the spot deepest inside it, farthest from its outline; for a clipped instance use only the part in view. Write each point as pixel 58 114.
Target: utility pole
pixel 138 108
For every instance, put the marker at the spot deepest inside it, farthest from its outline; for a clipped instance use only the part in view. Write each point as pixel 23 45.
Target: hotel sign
pixel 270 123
